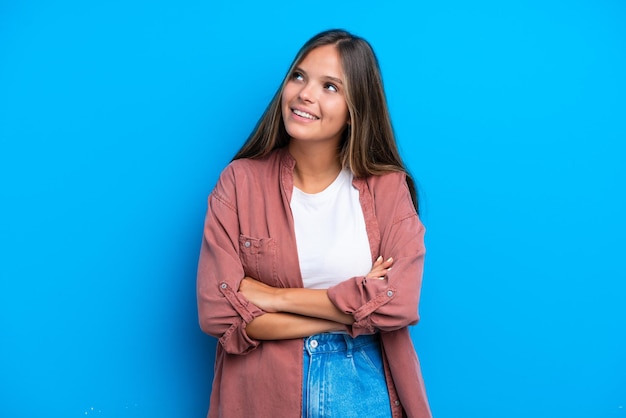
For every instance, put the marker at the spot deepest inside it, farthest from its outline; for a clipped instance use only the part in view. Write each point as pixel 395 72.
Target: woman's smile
pixel 304 114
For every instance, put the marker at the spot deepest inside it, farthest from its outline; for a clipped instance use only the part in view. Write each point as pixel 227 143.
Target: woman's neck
pixel 317 166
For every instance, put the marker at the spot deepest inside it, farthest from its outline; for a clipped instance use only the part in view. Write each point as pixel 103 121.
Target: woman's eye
pixel 331 87
pixel 297 76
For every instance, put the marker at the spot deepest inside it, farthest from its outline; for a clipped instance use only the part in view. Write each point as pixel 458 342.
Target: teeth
pixel 304 114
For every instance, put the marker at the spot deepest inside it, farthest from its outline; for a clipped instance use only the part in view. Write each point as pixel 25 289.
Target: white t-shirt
pixel 330 234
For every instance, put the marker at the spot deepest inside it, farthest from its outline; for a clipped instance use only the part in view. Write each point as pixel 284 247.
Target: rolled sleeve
pixel 223 312
pixel 390 304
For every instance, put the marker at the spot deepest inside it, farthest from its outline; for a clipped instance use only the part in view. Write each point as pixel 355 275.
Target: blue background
pixel 117 117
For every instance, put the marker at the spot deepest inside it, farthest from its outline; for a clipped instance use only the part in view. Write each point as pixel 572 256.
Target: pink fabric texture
pixel 249 231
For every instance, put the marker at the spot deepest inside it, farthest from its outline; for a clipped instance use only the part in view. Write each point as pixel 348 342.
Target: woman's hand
pixel 380 268
pixel 259 293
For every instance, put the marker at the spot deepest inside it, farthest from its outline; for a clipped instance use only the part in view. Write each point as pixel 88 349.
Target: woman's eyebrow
pixel 329 77
pixel 335 79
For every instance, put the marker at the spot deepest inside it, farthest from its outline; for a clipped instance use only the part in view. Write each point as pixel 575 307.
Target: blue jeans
pixel 344 377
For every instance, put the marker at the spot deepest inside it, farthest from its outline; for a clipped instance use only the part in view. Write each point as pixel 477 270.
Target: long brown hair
pixel 368 146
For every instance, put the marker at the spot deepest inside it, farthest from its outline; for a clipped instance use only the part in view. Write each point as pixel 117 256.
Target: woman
pixel 310 268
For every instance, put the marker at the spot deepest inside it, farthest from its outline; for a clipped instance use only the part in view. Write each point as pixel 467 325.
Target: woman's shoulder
pixel 248 173
pixel 391 180
pixel 391 195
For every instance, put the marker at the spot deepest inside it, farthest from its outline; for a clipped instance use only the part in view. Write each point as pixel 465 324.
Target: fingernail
pixel 380 257
pixel 390 259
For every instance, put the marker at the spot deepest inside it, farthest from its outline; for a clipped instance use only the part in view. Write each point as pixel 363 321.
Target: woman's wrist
pixel 280 299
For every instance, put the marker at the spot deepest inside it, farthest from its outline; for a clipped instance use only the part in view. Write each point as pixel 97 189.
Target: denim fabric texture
pixel 344 377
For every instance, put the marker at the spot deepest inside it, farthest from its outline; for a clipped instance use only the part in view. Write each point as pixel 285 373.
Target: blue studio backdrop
pixel 117 117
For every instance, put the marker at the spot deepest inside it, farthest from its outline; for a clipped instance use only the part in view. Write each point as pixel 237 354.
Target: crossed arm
pixel 297 312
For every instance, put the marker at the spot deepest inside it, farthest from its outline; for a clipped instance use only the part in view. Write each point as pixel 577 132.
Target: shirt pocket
pixel 258 258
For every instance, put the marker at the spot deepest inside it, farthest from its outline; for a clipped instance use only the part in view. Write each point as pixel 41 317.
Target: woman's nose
pixel 306 93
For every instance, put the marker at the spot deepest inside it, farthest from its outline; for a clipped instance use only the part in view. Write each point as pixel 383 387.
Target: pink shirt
pixel 249 231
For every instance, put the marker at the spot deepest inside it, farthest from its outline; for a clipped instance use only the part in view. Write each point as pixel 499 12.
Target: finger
pixel 384 265
pixel 377 273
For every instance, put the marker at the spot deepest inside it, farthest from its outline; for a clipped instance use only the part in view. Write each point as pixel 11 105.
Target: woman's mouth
pixel 304 114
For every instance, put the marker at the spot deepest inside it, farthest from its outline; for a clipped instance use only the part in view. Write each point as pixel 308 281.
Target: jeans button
pixel 313 343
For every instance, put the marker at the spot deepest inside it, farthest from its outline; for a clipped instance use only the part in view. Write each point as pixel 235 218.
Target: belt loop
pixel 349 345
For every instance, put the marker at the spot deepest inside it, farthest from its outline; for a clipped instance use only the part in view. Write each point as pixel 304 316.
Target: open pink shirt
pixel 249 232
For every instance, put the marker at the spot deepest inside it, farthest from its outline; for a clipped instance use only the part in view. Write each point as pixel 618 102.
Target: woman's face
pixel 314 106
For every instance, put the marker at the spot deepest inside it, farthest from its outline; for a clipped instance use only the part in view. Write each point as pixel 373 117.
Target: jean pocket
pixel 372 356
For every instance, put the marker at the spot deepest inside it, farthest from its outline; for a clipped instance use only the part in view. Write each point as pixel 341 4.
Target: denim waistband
pixel 334 343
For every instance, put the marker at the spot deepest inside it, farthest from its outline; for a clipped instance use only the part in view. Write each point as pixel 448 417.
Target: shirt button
pixel 223 285
pixel 247 244
pixel 389 293
pixel 313 343
pixel 397 403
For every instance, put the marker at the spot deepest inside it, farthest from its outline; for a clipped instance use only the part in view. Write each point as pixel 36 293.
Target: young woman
pixel 311 264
